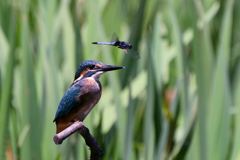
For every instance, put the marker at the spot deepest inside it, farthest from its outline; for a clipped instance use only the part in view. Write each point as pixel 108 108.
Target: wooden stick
pixel 96 150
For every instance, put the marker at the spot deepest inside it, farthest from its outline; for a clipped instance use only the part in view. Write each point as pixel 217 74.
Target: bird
pixel 83 94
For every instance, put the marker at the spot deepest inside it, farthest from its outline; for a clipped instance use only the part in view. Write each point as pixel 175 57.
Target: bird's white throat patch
pixel 97 75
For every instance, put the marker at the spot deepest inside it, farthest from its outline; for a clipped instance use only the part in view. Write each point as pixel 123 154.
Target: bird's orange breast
pixel 88 97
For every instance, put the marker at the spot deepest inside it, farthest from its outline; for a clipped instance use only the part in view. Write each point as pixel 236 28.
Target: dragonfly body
pixel 122 45
pixel 119 44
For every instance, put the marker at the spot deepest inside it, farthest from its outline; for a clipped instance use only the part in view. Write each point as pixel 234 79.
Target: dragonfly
pixel 122 45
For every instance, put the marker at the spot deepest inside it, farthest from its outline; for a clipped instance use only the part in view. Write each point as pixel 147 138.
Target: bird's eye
pixel 91 66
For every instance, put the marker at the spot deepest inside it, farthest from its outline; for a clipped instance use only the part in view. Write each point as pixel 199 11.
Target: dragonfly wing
pixel 114 38
pixel 132 53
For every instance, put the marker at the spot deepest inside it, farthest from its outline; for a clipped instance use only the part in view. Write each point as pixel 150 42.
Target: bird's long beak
pixel 106 68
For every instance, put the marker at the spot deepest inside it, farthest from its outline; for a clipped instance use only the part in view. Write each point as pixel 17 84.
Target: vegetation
pixel 181 100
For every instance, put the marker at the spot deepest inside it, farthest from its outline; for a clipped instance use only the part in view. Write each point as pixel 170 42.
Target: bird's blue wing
pixel 68 101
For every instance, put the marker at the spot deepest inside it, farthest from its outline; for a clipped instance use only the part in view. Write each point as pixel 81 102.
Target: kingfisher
pixel 82 95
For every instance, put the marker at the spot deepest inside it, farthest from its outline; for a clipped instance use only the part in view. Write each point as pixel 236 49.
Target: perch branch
pixel 96 150
pixel 58 138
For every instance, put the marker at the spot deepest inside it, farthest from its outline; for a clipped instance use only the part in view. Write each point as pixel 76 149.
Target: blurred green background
pixel 181 100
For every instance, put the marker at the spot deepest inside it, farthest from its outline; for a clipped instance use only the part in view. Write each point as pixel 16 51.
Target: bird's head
pixel 91 68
